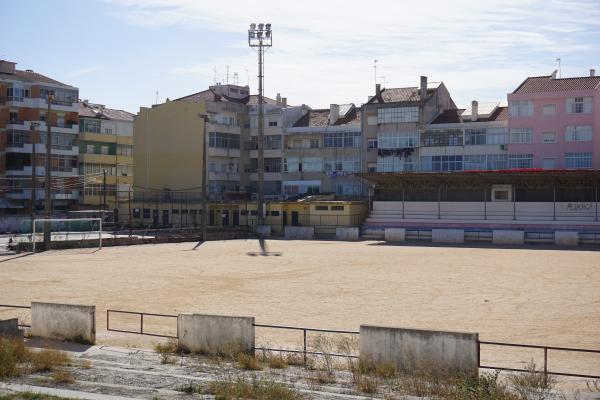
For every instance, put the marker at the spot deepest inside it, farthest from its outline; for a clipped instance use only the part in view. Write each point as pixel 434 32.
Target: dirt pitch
pixel 534 296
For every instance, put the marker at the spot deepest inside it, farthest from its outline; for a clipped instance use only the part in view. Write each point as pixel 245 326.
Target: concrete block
pixel 448 235
pixel 411 349
pixel 299 232
pixel 395 234
pixel 263 230
pixel 351 233
pixel 508 237
pixel 10 327
pixel 64 322
pixel 211 334
pixel 566 238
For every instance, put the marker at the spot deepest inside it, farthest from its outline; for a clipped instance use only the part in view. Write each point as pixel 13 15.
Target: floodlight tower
pixel 260 37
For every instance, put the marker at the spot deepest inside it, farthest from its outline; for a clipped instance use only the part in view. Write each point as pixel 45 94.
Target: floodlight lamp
pixel 259 34
pixel 253 26
pixel 251 34
pixel 268 27
pixel 268 34
pixel 261 26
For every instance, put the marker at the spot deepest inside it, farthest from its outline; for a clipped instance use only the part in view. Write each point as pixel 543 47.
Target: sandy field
pixel 532 296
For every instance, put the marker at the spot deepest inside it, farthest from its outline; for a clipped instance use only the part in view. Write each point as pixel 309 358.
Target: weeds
pixel 250 388
pixel 248 362
pixel 62 376
pixel 15 359
pixel 167 351
pixel 30 396
pixel 533 384
pixel 275 361
pixel 47 360
pixel 12 352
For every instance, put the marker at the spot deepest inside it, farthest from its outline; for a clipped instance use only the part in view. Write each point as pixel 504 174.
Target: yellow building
pixel 105 155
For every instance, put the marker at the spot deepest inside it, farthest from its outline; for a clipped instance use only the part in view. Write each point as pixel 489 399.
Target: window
pixel 13 117
pixel 272 123
pixel 549 109
pixel 579 105
pixel 342 164
pixel 16 138
pixel 341 139
pixel 223 140
pixel 314 143
pixel 337 208
pixel 136 212
pixel 104 150
pixel 89 125
pixel 372 143
pixel 549 137
pixel 520 160
pixel 442 163
pixel 523 108
pixel 321 208
pixel 272 164
pixel 396 164
pixel 90 149
pixel 312 164
pixel 579 133
pixel 124 150
pixel 397 140
pixel 108 131
pixel 548 163
pixel 16 94
pixel 146 213
pixel 274 213
pixel 521 135
pixel 271 142
pixel 124 170
pixel 394 115
pixel 578 160
pixel 442 137
pixel 486 136
pixel 372 167
pixel 291 164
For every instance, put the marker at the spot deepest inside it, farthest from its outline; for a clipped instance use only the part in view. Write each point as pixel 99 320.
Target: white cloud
pixel 323 51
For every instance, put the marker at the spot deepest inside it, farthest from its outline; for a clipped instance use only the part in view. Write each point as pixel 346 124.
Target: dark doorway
pixel 295 218
pixel 236 218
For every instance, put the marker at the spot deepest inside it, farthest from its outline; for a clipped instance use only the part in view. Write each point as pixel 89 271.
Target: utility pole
pixel 129 205
pixel 48 193
pixel 103 191
pixel 260 37
pixel 33 128
pixel 204 216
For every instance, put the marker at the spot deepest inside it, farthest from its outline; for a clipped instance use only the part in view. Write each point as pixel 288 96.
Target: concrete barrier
pixel 508 237
pixel 566 238
pixel 264 230
pixel 299 232
pixel 395 234
pixel 411 349
pixel 351 233
pixel 448 235
pixel 64 322
pixel 10 327
pixel 212 334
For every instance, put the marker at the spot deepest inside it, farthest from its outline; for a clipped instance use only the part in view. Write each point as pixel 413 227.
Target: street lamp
pixel 48 192
pixel 33 127
pixel 260 37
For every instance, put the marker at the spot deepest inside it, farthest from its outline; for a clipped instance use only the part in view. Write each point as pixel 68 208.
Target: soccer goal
pixel 68 233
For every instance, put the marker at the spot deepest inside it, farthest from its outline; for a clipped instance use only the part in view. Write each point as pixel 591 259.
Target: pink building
pixel 555 123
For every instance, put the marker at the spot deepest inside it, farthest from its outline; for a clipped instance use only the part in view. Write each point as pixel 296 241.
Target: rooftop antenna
pixel 156 97
pixel 247 78
pixel 236 78
pixel 559 69
pixel 375 68
pixel 227 76
pixel 215 71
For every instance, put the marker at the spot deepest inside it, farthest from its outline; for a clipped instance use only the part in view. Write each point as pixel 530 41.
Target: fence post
pixel 304 332
pixel 141 322
pixel 545 365
pixel 107 320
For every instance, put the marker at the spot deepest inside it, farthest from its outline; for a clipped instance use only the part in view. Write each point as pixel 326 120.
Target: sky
pixel 121 52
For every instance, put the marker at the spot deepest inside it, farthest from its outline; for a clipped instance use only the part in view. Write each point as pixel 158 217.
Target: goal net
pixel 67 233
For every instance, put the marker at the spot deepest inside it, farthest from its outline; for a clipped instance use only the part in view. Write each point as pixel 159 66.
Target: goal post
pixel 68 231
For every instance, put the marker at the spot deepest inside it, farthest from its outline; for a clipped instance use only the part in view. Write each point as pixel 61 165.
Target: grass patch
pixel 12 353
pixel 63 377
pixel 248 362
pixel 48 360
pixel 251 388
pixel 367 384
pixel 30 396
pixel 16 359
pixel 273 360
pixel 167 351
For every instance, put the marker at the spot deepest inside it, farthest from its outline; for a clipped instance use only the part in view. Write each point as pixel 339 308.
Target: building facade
pixel 323 149
pixel 23 126
pixel 105 156
pixel 393 121
pixel 554 123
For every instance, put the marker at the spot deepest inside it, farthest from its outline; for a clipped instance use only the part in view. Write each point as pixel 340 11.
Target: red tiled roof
pixel 33 77
pixel 535 84
pixel 93 111
pixel 210 95
pixel 454 116
pixel 320 117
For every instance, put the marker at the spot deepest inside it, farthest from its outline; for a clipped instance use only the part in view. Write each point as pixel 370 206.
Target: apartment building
pixel 554 123
pixel 105 156
pixel 468 139
pixel 322 150
pixel 392 123
pixel 23 125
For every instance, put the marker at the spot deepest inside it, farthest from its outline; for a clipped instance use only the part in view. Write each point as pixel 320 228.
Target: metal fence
pixel 141 331
pixel 545 371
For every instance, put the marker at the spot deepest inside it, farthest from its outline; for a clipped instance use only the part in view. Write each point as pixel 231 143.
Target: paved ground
pixel 535 296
